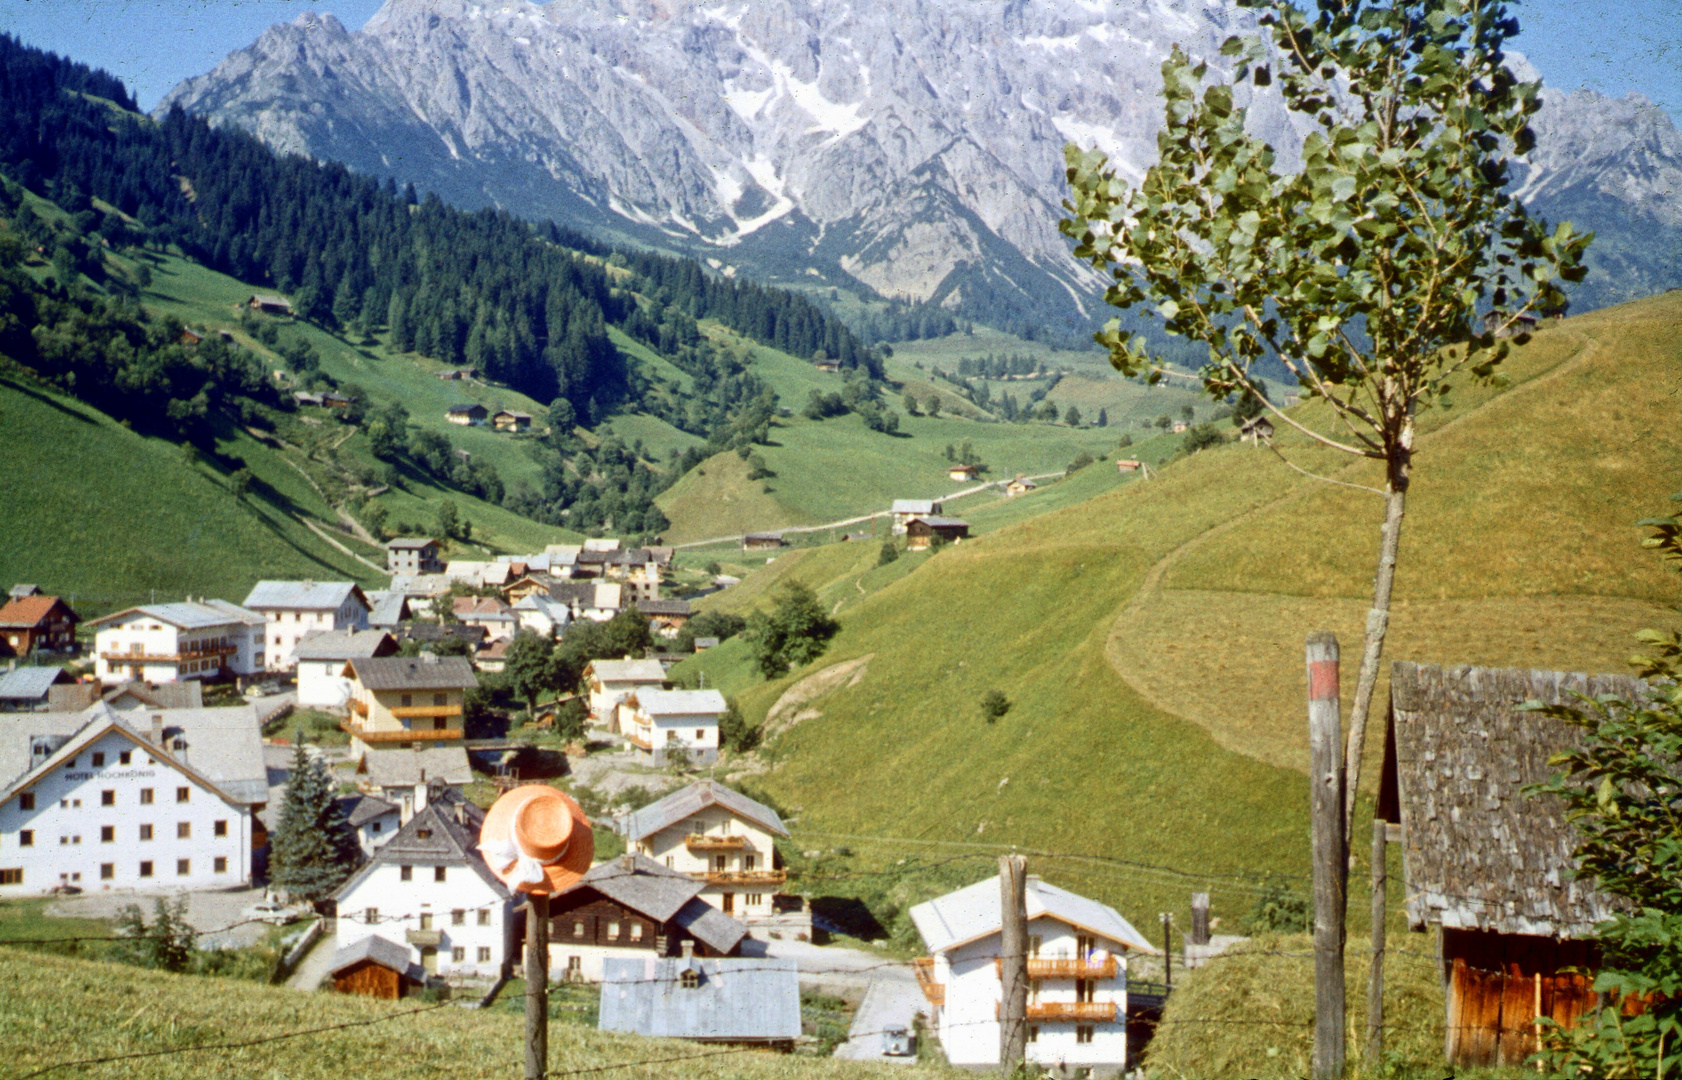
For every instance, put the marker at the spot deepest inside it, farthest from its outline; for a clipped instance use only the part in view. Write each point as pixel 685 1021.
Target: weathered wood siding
pixel 1478 853
pixel 1493 981
pixel 371 980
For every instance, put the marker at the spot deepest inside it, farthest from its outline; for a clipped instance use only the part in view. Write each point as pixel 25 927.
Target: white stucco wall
pixel 69 815
pixel 669 847
pixel 287 627
pixel 320 684
pixel 161 639
pixel 401 904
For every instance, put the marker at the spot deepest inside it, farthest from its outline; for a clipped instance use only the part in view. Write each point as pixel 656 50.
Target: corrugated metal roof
pixel 737 999
pixel 303 595
pixel 679 702
pixel 692 799
pixel 426 672
pixel 345 645
pixel 29 683
pixel 972 913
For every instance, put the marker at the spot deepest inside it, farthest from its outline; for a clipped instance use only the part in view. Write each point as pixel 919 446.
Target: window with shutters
pixel 458 917
pixel 484 954
pixel 458 955
pixel 484 916
pixel 1083 1033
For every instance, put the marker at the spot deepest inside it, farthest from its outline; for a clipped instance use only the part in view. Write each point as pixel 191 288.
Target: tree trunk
pixel 1378 619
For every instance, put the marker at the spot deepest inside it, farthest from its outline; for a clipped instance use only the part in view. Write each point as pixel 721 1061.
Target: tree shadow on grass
pixel 50 401
pixel 847 915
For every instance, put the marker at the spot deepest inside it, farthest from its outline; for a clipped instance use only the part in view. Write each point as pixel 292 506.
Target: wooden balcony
pixel 423 712
pixel 1069 1012
pixel 933 991
pixel 703 842
pixel 209 652
pixel 1044 968
pixel 639 741
pixel 399 735
pixel 743 877
pixel 358 706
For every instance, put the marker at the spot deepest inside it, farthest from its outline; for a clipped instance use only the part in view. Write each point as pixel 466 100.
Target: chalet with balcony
pixel 165 643
pixel 904 510
pixel 467 415
pixel 631 908
pixel 32 622
pixel 399 702
pixel 726 841
pixel 659 722
pixel 665 617
pixel 963 472
pixel 1077 971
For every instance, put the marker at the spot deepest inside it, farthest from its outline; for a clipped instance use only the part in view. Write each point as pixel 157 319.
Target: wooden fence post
pixel 537 986
pixel 1200 918
pixel 1375 981
pixel 1330 853
pixel 1013 960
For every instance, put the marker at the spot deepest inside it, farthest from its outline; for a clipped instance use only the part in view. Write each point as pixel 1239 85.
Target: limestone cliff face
pixel 913 147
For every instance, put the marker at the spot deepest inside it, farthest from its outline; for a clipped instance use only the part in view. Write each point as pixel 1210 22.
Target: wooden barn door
pixel 1494 983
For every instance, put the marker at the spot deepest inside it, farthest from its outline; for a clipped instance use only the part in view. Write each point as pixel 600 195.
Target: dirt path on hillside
pixel 1134 612
pixel 844 522
pixel 325 535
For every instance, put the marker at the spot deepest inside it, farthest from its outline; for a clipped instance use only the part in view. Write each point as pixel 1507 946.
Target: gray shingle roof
pixel 649 888
pixel 708 924
pixel 29 683
pixel 406 768
pixel 387 954
pixel 414 672
pixel 411 543
pixel 435 836
pixel 361 809
pixel 345 645
pixel 389 609
pixel 648 671
pixel 698 796
pixel 663 607
pixel 303 595
pixel 681 703
pixel 190 614
pixel 738 999
pixel 941 522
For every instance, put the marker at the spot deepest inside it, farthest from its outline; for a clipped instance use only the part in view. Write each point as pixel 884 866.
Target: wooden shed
pixel 1488 865
pixel 923 532
pixel 376 967
pixel 762 541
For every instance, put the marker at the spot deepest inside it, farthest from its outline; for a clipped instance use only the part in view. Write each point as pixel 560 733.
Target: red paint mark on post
pixel 1322 680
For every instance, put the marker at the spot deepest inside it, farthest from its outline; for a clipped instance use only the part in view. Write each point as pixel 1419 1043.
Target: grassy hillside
pixel 96 511
pixel 54 1010
pixel 1149 637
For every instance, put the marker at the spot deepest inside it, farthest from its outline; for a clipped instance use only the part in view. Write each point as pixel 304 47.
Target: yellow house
pixel 402 702
pixel 727 841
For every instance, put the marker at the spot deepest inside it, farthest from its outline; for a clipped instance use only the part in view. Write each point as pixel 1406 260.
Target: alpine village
pixel 1071 538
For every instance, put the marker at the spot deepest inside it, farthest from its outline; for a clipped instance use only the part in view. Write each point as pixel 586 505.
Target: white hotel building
pixel 162 643
pixel 143 800
pixel 1077 977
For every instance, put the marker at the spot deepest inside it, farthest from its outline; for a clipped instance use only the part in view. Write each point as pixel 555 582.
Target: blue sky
pixel 1612 47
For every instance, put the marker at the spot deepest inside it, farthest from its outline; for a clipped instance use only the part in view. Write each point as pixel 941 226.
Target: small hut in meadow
pixel 1488 865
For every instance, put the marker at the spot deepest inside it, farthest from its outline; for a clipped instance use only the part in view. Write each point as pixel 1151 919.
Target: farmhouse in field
pixel 296 608
pixel 511 421
pixel 763 541
pixel 633 907
pixel 1077 967
pixel 727 841
pixel 192 639
pixel 428 891
pixel 1021 485
pixel 1256 430
pixel 139 799
pixel 735 1000
pixel 1127 465
pixel 466 415
pixel 34 621
pixel 922 533
pixel 270 304
pixel 1488 865
pixel 904 510
pixel 413 555
pixel 963 472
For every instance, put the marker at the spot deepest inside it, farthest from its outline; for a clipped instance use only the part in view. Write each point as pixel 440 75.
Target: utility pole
pixel 1013 960
pixel 1200 918
pixel 537 986
pixel 1330 852
pixel 1375 981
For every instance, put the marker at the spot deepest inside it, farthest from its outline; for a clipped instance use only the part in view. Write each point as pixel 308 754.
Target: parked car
pixel 272 912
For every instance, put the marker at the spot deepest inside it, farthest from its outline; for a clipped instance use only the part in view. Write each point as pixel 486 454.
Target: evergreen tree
pixel 313 848
pixel 1103 418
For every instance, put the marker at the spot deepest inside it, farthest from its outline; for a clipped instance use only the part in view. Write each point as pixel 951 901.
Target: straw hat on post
pixel 537 840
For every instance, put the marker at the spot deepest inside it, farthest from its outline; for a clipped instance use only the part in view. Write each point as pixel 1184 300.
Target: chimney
pixel 420 793
pixel 461 813
pixel 628 863
pixel 688 947
pixel 157 729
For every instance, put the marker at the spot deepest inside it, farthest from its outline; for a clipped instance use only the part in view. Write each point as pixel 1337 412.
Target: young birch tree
pixel 1363 271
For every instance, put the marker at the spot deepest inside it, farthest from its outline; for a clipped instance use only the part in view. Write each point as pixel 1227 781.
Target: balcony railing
pixel 703 842
pixel 1079 1012
pixel 399 734
pixel 1052 968
pixel 933 991
pixel 419 712
pixel 208 652
pixel 639 741
pixel 744 877
pixel 358 706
